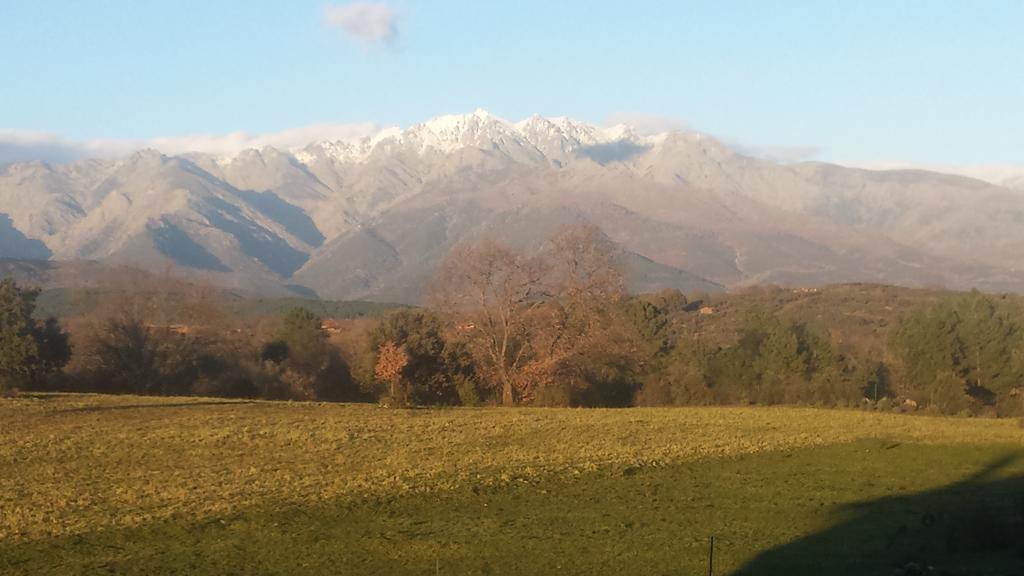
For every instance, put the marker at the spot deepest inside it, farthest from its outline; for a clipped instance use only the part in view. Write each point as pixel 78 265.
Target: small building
pixel 706 310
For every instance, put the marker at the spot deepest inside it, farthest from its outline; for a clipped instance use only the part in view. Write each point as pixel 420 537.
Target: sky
pixel 916 82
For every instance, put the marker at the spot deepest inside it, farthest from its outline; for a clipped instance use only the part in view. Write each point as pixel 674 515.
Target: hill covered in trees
pixel 554 328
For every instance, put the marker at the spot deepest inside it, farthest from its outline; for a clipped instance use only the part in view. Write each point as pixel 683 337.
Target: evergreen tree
pixel 303 335
pixel 29 350
pixel 927 343
pixel 312 367
pixel 989 338
pixel 780 364
pixel 428 375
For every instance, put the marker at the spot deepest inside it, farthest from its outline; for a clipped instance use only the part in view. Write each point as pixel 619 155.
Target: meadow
pixel 93 484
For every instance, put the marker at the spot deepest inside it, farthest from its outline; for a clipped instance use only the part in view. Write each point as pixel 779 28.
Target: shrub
pixel 654 392
pixel 307 365
pixel 1009 405
pixel 553 396
pixel 468 391
pixel 222 374
pixel 949 395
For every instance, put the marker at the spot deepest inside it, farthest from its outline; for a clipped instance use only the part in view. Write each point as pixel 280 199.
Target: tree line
pixel 552 326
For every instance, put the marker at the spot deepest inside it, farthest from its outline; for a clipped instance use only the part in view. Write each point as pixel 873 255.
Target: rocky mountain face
pixel 371 219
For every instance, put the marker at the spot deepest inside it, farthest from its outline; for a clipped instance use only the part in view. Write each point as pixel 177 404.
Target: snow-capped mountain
pixel 371 217
pixel 535 139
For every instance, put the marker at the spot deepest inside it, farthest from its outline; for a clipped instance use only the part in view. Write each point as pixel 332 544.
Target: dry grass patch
pixel 75 463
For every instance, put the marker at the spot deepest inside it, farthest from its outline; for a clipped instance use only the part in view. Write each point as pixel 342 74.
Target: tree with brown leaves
pixel 391 362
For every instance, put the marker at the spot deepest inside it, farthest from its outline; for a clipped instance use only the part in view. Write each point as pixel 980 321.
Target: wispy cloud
pixel 647 124
pixel 23 146
pixel 364 22
pixel 237 141
pixel 652 124
pixel 780 154
pixel 1011 175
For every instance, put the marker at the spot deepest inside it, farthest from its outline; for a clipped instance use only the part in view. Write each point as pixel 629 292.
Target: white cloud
pixel 652 124
pixel 1001 174
pixel 780 154
pixel 647 124
pixel 22 146
pixel 364 21
pixel 237 141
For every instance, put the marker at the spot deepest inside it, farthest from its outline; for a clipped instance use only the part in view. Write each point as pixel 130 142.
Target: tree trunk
pixel 507 398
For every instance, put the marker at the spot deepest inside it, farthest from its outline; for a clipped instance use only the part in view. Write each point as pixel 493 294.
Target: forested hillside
pixel 505 327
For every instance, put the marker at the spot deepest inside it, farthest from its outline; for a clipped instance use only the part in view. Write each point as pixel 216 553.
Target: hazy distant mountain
pixel 372 218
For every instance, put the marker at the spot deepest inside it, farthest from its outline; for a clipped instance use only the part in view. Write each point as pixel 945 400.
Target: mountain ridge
pixel 371 218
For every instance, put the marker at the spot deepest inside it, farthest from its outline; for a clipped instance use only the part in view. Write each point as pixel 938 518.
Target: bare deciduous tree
pixel 491 290
pixel 527 316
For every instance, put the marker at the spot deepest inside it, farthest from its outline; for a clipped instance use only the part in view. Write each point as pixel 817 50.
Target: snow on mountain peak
pixel 448 133
pixel 558 139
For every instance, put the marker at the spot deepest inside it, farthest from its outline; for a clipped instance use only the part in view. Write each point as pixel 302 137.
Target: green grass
pixel 129 485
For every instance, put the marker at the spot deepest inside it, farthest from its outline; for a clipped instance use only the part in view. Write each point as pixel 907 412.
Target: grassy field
pixel 130 485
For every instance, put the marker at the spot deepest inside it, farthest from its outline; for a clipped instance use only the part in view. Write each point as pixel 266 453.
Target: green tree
pixel 827 373
pixel 435 368
pixel 780 364
pixel 687 371
pixel 948 394
pixel 877 382
pixel 926 344
pixel 651 322
pixel 989 338
pixel 312 366
pixel 29 350
pixel 730 372
pixel 969 339
pixel 303 335
pixel 54 347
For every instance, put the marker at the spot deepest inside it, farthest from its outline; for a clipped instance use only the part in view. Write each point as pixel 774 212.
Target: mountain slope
pixel 372 218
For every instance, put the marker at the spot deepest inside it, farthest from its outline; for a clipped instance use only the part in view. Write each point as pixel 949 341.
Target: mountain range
pixel 372 218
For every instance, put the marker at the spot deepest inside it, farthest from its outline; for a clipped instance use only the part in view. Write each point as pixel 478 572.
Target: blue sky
pixel 914 81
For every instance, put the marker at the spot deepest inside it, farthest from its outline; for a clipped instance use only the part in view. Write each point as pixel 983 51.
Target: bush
pixel 225 376
pixel 654 392
pixel 1009 405
pixel 127 355
pixel 469 393
pixel 949 395
pixel 431 364
pixel 305 363
pixel 553 396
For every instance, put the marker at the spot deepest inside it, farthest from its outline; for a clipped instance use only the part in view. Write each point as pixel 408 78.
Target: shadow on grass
pixel 955 507
pixel 971 527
